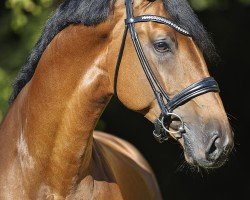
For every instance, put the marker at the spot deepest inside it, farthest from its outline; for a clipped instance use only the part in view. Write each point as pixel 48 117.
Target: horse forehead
pixel 154 8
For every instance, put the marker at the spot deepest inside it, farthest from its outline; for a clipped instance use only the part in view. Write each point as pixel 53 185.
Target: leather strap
pixel 205 85
pixel 119 59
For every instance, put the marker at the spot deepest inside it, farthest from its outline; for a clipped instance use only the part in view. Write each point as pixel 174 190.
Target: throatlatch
pixel 162 124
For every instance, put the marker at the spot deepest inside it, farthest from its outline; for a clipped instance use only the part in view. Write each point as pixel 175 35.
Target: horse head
pixel 176 58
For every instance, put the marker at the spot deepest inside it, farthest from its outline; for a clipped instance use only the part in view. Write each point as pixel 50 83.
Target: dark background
pixel 231 32
pixel 229 22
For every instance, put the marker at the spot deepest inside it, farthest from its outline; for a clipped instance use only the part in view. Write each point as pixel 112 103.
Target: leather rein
pixel 162 124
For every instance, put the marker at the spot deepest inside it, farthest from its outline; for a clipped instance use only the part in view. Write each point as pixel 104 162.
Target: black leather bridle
pixel 162 131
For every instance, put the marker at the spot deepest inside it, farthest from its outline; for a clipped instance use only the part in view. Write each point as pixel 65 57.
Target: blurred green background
pixel 21 22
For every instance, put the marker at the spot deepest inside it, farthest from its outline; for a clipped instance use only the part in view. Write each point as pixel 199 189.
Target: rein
pixel 208 84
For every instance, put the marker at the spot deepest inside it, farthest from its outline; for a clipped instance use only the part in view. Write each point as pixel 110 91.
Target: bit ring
pixel 181 127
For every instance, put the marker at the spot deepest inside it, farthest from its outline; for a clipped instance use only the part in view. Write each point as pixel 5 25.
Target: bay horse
pixel 48 146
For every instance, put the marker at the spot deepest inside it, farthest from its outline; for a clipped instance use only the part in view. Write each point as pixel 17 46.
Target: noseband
pixel 162 124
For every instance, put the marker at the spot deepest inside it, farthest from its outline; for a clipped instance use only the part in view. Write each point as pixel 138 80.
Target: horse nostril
pixel 213 148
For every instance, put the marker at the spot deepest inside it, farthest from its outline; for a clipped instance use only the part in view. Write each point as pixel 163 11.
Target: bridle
pixel 162 131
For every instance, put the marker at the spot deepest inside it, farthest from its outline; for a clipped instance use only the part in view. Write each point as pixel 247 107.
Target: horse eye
pixel 162 47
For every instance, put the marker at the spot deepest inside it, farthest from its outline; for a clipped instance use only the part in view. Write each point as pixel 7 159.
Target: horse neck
pixel 59 108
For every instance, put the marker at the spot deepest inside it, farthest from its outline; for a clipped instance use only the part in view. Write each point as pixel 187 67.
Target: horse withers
pixel 48 149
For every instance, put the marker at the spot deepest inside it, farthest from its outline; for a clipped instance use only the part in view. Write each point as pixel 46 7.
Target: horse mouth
pixel 205 163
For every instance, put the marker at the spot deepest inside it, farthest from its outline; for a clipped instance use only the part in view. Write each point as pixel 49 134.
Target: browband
pixel 158 19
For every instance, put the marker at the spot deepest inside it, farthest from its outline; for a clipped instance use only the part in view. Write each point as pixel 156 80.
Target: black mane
pixel 93 12
pixel 87 12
